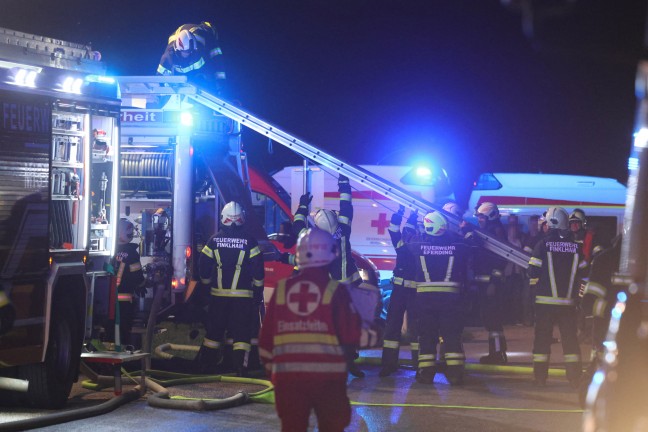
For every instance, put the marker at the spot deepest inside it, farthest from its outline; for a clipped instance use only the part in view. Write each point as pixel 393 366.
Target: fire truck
pixel 59 119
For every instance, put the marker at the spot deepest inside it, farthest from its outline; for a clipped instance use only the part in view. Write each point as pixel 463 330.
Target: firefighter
pixel 403 295
pixel 7 313
pixel 231 263
pixel 557 262
pixel 488 272
pixel 130 279
pixel 343 268
pixel 193 50
pixel 309 326
pixel 442 263
pixel 583 234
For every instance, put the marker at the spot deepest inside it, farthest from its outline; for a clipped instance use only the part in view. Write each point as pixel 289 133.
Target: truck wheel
pixel 50 382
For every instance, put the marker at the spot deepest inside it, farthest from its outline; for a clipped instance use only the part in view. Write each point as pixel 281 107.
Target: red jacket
pixel 307 324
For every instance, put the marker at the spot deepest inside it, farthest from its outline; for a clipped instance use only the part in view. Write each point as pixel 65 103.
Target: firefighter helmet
pixel 315 248
pixel 184 41
pixel 126 231
pixel 453 208
pixel 557 218
pixel 326 220
pixel 489 210
pixel 435 224
pixel 578 215
pixel 233 214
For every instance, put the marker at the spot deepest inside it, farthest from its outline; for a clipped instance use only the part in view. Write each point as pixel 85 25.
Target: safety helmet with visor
pixel 233 214
pixel 557 218
pixel 326 220
pixel 435 224
pixel 315 248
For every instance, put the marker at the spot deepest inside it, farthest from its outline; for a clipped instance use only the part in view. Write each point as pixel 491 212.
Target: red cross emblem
pixel 381 223
pixel 303 298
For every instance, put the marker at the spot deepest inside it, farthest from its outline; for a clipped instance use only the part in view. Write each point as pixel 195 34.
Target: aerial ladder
pixel 149 88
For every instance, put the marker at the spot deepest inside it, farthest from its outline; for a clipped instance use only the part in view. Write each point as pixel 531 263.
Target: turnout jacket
pixel 558 264
pixel 343 268
pixel 205 62
pixel 600 291
pixel 130 277
pixel 231 264
pixel 487 267
pixel 307 324
pixel 441 264
pixel 405 269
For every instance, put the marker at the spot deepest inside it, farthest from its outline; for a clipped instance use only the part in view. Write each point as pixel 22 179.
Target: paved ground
pixel 502 400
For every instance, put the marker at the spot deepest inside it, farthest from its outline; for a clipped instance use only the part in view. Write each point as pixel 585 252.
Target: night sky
pixel 386 82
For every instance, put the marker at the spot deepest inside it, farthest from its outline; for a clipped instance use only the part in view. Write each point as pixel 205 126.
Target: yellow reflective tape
pixel 537 262
pixel 220 292
pixel 241 346
pixel 329 292
pixel 572 358
pixel 280 292
pixel 4 300
pixel 391 344
pixel 305 338
pixel 207 251
pixel 254 251
pixel 595 289
pixel 540 358
pixel 237 272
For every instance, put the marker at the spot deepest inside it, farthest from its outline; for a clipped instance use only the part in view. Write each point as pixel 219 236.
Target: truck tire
pixel 50 382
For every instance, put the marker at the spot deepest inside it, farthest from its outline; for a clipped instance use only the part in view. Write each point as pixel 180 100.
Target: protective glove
pixel 287 258
pixel 401 210
pixel 140 291
pixel 413 217
pixel 304 200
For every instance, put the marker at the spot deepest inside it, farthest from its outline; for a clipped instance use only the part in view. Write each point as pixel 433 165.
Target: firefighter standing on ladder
pixel 231 263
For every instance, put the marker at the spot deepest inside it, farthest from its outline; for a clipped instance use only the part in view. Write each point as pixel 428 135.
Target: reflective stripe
pixel 403 282
pixel 596 249
pixel 527 249
pixel 241 346
pixel 354 277
pixel 308 349
pixel 595 289
pixel 211 343
pixel 254 251
pixel 481 278
pixel 572 276
pixel 451 287
pixel 207 251
pixel 393 228
pixel 391 344
pixel 449 269
pixel 237 273
pixel 457 362
pixel 345 196
pixel 135 267
pixel 257 282
pixel 164 71
pixel 299 217
pixel 426 357
pixel 582 264
pixel 426 364
pixel 559 301
pixel 194 66
pixel 496 273
pixel 426 273
pixel 254 341
pixel 451 355
pixel 205 281
pixel 436 289
pixel 410 226
pixel 220 292
pixel 552 276
pixel 537 262
pixel 280 292
pixel 598 309
pixel 125 297
pixel 215 52
pixel 540 358
pixel 533 281
pixel 309 367
pixel 292 338
pixel 571 358
pixel 4 300
pixel 414 346
pixel 219 265
pixel 343 220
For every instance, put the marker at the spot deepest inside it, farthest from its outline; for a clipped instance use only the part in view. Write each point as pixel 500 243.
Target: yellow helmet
pixel 435 224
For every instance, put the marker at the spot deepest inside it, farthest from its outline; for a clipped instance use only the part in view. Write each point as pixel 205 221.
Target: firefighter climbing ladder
pixel 146 87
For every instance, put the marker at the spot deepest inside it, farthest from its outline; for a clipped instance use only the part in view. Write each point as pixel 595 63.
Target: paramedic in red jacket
pixel 309 324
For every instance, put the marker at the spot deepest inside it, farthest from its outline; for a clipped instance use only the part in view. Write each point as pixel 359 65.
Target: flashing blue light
pixel 423 172
pixel 100 79
pixel 186 119
pixel 622 297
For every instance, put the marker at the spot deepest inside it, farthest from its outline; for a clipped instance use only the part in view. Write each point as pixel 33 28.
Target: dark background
pixel 470 84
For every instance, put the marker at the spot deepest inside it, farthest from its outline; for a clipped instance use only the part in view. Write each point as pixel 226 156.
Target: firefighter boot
pixel 389 358
pixel 425 375
pixel 207 359
pixel 574 371
pixel 455 375
pixel 496 350
pixel 240 360
pixel 441 365
pixel 414 348
pixel 540 373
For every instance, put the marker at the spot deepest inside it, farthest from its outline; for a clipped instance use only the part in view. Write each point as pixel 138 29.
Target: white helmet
pixel 453 208
pixel 578 215
pixel 326 220
pixel 315 248
pixel 435 224
pixel 184 41
pixel 557 218
pixel 233 214
pixel 489 210
pixel 125 230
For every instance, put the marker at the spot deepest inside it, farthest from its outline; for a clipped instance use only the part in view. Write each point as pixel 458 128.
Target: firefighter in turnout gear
pixel 130 280
pixel 310 326
pixel 343 267
pixel 231 264
pixel 488 273
pixel 403 295
pixel 442 264
pixel 558 263
pixel 193 50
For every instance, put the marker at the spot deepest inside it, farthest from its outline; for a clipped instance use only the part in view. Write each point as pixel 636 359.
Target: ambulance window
pixel 487 181
pixel 269 212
